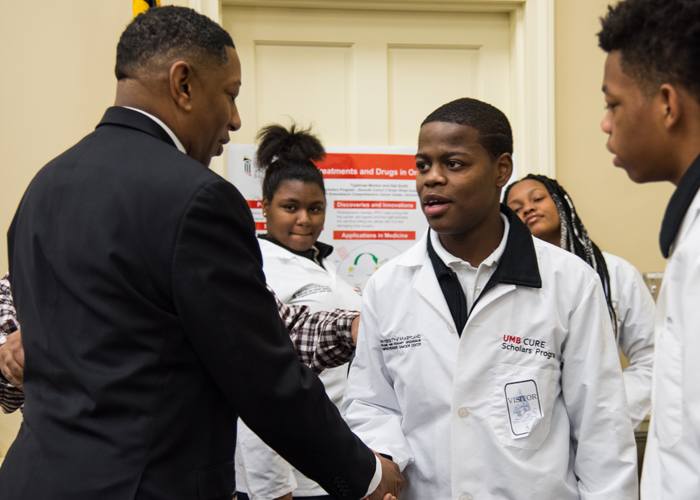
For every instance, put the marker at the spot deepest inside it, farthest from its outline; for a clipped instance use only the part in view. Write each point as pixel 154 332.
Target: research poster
pixel 372 214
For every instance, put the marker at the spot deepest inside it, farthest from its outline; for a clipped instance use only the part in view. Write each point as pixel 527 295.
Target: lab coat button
pixel 464 496
pixel 450 329
pixel 463 413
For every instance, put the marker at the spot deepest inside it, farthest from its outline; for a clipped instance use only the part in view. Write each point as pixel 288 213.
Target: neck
pixel 686 157
pixel 476 245
pixel 147 97
pixel 554 239
pixel 685 141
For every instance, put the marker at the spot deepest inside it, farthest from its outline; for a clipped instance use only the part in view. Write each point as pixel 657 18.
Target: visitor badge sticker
pixel 523 403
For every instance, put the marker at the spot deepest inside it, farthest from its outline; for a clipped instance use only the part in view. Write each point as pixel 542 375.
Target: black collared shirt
pixel 518 266
pixel 678 205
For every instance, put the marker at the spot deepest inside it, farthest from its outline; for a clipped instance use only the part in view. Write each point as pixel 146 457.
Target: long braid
pixel 574 236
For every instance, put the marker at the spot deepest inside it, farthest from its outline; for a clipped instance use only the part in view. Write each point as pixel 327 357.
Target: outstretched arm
pixel 322 340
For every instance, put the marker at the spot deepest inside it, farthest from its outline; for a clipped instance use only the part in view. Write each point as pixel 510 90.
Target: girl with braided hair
pixel 548 211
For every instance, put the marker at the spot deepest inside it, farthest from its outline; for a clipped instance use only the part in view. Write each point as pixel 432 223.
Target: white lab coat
pixel 261 472
pixel 490 415
pixel 634 308
pixel 672 460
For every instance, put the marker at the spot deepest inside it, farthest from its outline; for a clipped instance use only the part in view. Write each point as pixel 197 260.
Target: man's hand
pixel 12 359
pixel 391 483
pixel 355 329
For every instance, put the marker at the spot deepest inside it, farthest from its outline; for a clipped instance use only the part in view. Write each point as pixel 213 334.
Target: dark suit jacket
pixel 148 329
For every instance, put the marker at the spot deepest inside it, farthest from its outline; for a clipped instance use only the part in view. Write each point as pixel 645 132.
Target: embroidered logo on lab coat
pixel 524 409
pixel 310 290
pixel 401 342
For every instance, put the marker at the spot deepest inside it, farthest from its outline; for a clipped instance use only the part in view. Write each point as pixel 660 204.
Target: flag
pixel 141 6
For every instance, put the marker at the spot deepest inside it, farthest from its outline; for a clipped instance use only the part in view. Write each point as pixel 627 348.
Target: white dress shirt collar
pixel 172 135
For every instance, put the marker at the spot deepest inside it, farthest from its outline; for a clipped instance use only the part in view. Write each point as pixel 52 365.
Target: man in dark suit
pixel 145 318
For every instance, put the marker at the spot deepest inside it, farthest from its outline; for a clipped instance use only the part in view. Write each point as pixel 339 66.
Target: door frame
pixel 532 64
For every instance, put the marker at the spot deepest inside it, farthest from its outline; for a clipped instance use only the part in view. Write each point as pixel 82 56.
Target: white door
pixel 366 78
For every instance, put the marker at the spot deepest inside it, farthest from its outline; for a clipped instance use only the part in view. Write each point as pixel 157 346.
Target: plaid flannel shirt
pixel 323 339
pixel 11 398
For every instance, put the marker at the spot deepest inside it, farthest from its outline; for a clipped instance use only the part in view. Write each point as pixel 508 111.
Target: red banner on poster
pixel 381 205
pixel 374 235
pixel 367 166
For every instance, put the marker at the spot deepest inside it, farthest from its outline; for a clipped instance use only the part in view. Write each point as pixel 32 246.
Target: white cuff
pixel 374 483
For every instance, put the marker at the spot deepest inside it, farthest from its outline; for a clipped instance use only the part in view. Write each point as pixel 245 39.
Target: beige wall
pixel 621 217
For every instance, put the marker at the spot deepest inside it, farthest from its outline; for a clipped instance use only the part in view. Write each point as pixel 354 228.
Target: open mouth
pixel 435 205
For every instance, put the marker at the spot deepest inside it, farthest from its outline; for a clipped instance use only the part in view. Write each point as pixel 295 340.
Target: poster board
pixel 372 212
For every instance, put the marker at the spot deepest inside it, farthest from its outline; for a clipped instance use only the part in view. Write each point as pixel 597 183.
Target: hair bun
pixel 277 144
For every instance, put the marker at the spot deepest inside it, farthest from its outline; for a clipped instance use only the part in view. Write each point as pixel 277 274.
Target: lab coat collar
pixel 678 206
pixel 517 265
pixel 316 254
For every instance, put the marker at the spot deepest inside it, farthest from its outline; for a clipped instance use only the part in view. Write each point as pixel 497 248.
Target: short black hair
pixel 288 155
pixel 495 134
pixel 659 41
pixel 169 31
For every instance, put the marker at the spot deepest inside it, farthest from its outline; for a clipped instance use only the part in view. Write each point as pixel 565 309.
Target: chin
pixel 640 176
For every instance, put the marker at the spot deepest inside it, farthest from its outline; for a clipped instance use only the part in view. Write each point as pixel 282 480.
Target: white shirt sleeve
pixel 370 406
pixel 635 310
pixel 601 431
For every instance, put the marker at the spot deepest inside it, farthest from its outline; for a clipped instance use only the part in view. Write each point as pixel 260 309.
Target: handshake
pixel 392 481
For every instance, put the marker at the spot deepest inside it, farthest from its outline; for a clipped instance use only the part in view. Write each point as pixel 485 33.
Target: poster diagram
pixel 372 213
pixel 356 266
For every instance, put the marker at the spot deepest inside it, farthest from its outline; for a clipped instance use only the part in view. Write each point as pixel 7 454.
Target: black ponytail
pixel 288 155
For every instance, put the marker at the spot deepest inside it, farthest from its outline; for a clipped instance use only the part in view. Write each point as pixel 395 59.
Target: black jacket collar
pixel 125 117
pixel 518 266
pixel 680 201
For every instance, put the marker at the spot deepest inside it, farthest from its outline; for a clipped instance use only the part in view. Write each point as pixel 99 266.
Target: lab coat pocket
pixel 669 367
pixel 521 405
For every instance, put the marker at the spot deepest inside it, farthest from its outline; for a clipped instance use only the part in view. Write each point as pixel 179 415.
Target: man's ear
pixel 504 168
pixel 180 79
pixel 670 105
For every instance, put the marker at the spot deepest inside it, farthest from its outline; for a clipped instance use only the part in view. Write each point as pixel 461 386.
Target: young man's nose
pixel 434 176
pixel 606 122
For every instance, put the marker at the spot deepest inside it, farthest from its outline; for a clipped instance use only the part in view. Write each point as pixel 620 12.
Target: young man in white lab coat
pixel 652 88
pixel 486 365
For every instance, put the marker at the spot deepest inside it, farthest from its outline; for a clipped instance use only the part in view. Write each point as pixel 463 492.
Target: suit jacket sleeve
pixel 235 329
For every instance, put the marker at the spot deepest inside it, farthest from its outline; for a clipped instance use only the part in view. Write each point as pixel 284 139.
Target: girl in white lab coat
pixel 295 266
pixel 547 210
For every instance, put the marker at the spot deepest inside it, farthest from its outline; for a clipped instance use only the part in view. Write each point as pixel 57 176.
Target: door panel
pixel 365 78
